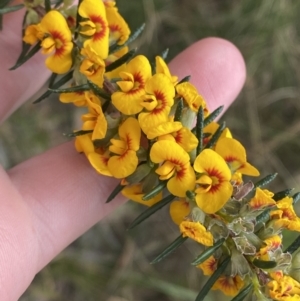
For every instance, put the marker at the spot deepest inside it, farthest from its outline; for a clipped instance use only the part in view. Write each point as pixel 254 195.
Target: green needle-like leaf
pixel 52 80
pixel 78 133
pixel 80 88
pixel 99 92
pixel 199 130
pixel 282 194
pixel 265 265
pixel 243 293
pixel 155 191
pixel 148 212
pixel 293 246
pixel 165 53
pixel 213 278
pixel 10 9
pixel 47 4
pixel 170 249
pixel 178 112
pixel 133 36
pixel 26 56
pixel 122 60
pixel 115 192
pixel 263 217
pixel 208 252
pixel 213 115
pixel 56 85
pixel 213 140
pixel 265 181
pixel 296 198
pixel 185 79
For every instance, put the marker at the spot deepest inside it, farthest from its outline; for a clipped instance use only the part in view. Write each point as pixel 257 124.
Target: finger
pixel 63 193
pixel 18 85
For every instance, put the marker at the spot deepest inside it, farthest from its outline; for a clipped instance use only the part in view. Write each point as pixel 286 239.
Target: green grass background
pixel 110 264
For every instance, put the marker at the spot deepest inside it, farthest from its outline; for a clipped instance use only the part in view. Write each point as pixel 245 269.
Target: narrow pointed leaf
pixel 213 115
pixel 208 252
pixel 10 9
pixel 56 85
pixel 80 88
pixel 115 192
pixel 265 181
pixel 296 198
pixel 165 53
pixel 264 216
pixel 99 92
pixel 293 246
pixel 213 140
pixel 213 278
pixel 282 194
pixel 4 3
pixel 47 4
pixel 155 191
pixel 1 22
pixel 52 80
pixel 26 56
pixel 178 112
pixel 243 293
pixel 78 133
pixel 199 130
pixel 122 60
pixel 265 265
pixel 151 210
pixel 133 36
pixel 170 249
pixel 185 79
pixel 58 3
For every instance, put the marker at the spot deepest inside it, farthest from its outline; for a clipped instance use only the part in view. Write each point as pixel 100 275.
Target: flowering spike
pixel 213 115
pixel 179 108
pixel 115 192
pixel 213 278
pixel 170 249
pixel 63 80
pixel 265 181
pixel 155 191
pixel 148 212
pixel 199 130
pixel 216 136
pixel 208 252
pixel 265 265
pixel 27 56
pixel 122 60
pixel 243 293
pixel 293 246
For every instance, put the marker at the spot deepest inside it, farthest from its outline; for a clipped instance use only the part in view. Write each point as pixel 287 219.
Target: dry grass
pixel 108 263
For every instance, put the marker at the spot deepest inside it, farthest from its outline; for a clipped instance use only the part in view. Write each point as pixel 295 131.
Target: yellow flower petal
pixel 208 266
pixel 230 286
pixel 186 139
pixel 99 162
pixel 164 129
pixel 161 67
pixel 130 132
pixel 179 210
pixel 197 232
pixel 261 200
pixel 77 98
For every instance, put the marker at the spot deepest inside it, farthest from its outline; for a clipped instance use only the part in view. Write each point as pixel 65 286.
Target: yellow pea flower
pixel 211 129
pixel 95 119
pixel 135 193
pixel 197 232
pixel 132 85
pixel 261 200
pixel 179 210
pixel 162 67
pixel 92 66
pixel 175 166
pixel 208 266
pixel 77 98
pixel 213 187
pixel 191 96
pixel 96 27
pixel 157 100
pixel 118 28
pixel 125 161
pixel 271 244
pixel 230 286
pixel 233 152
pixel 33 33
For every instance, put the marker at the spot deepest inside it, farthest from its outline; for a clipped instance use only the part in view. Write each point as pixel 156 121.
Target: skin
pixel 42 207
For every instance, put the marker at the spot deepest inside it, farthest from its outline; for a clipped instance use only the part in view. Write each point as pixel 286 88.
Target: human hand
pixel 50 200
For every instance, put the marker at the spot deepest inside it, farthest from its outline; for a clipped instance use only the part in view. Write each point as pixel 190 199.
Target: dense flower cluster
pixel 154 132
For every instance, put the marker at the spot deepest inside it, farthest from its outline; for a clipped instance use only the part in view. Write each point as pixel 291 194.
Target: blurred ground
pixel 110 264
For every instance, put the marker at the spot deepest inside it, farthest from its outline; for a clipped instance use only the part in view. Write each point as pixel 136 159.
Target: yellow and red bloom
pixel 33 34
pixel 234 154
pixel 213 187
pixel 77 98
pixel 175 166
pixel 271 244
pixel 208 266
pixel 125 160
pixel 92 66
pixel 157 100
pixel 179 210
pixel 96 27
pixel 230 286
pixel 261 200
pixel 135 193
pixel 134 77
